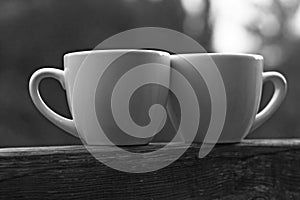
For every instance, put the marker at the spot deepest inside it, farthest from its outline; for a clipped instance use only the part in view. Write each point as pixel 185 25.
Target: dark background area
pixel 37 33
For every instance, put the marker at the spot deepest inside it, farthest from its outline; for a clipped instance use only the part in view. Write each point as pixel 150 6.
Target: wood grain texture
pixel 253 169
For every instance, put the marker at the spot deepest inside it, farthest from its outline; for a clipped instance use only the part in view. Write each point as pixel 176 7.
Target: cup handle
pixel 280 90
pixel 62 122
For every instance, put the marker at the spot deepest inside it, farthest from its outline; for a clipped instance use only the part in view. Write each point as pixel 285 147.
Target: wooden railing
pixel 253 169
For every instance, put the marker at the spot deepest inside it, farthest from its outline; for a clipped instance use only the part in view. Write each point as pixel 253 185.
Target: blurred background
pixel 37 33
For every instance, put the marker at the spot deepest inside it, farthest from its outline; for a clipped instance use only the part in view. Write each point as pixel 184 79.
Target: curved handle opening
pixel 280 90
pixel 64 123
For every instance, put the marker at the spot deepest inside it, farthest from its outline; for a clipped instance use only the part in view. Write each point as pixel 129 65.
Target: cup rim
pixel 218 54
pixel 163 53
pixel 98 51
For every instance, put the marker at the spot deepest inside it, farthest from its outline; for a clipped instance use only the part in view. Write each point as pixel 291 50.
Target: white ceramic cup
pixel 79 69
pixel 243 78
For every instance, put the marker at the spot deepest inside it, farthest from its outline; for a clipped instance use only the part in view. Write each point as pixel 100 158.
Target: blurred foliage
pixel 36 33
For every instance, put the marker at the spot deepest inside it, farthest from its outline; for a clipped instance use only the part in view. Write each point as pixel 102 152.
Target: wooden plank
pixel 253 169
